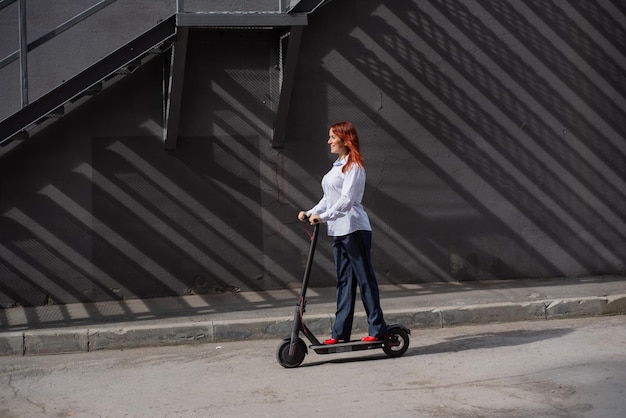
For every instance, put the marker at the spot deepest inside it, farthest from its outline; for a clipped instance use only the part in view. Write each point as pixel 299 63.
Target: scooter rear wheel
pixel 396 343
pixel 283 357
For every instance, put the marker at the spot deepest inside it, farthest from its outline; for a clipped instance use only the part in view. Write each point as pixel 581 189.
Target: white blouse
pixel 340 207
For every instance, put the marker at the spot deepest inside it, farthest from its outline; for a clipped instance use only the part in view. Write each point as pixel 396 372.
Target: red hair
pixel 347 133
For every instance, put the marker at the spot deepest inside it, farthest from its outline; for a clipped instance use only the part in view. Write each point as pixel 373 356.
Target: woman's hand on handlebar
pixel 313 219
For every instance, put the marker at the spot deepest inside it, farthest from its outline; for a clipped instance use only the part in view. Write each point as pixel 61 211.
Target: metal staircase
pixel 129 56
pixel 169 35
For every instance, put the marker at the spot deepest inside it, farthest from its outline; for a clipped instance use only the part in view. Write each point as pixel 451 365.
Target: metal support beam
pixel 21 7
pixel 174 89
pixel 289 76
pixel 240 19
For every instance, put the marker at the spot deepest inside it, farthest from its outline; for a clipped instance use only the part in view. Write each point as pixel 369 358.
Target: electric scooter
pixel 293 349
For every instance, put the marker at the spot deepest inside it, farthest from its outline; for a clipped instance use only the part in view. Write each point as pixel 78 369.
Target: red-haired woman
pixel 340 208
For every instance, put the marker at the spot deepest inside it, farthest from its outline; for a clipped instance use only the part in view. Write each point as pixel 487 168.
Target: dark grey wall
pixel 493 133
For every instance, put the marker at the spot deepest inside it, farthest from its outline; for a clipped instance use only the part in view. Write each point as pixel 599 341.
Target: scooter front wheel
pixel 287 361
pixel 396 343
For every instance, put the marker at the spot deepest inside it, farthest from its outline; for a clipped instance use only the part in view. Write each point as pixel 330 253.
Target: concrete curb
pixel 136 335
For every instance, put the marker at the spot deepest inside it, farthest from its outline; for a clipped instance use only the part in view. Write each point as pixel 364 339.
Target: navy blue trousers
pixel 354 267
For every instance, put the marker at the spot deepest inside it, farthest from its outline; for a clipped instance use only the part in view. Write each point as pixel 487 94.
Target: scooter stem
pixel 309 262
pixel 297 320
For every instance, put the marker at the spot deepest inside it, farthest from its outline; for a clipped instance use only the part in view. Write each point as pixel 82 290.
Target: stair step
pixel 95 89
pixel 59 112
pixel 130 67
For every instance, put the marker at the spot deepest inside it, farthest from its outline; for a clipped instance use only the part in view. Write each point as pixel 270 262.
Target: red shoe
pixel 330 341
pixel 369 339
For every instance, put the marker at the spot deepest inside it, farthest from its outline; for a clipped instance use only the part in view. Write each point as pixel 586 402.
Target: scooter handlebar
pixel 307 218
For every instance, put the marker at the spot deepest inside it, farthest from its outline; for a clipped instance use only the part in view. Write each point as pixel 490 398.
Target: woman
pixel 340 208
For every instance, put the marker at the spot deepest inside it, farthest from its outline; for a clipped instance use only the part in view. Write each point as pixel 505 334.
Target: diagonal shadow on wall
pixel 541 90
pixel 540 170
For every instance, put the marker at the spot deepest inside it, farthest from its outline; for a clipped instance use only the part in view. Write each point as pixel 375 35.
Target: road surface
pixel 557 368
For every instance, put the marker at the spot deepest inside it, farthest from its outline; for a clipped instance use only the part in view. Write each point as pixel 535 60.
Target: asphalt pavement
pixel 84 327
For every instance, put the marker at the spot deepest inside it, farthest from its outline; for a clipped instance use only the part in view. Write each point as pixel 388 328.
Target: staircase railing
pixel 26 47
pixel 32 111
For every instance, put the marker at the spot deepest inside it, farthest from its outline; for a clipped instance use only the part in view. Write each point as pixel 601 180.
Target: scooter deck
pixel 355 345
